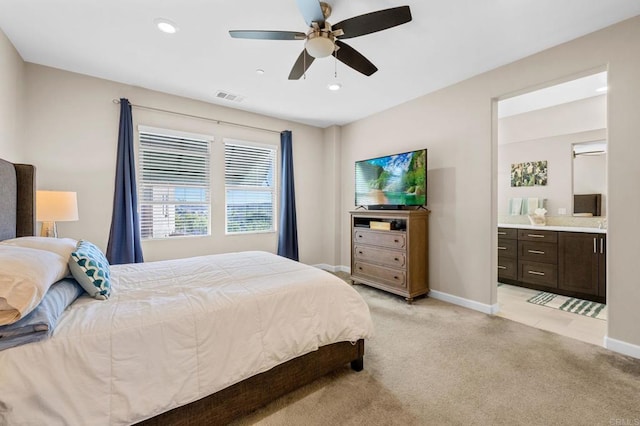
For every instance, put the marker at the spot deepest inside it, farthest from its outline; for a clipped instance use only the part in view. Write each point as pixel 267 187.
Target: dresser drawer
pixel 538 252
pixel 536 235
pixel 507 268
pixel 507 248
pixel 538 273
pixel 389 276
pixel 393 258
pixel 397 240
pixel 508 233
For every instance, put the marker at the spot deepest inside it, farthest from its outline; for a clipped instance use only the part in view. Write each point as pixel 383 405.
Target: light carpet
pixel 433 363
pixel 571 304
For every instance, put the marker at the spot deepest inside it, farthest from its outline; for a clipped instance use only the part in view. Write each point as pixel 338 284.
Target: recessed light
pixel 259 71
pixel 602 89
pixel 166 26
pixel 334 86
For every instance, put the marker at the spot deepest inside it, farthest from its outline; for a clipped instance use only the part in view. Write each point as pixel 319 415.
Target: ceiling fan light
pixel 319 46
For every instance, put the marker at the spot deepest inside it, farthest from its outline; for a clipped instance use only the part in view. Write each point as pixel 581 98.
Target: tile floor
pixel 513 304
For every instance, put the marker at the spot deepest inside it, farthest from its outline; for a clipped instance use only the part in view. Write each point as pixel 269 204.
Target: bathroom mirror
pixel 590 178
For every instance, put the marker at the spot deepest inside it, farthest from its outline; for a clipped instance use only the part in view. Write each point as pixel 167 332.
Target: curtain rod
pixel 229 123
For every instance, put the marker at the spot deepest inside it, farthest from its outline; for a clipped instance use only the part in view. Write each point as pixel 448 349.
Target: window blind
pixel 250 187
pixel 174 187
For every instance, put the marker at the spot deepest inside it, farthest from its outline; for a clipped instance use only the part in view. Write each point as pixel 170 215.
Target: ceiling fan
pixel 323 39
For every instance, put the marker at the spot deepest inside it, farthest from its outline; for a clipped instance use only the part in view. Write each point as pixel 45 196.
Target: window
pixel 174 193
pixel 249 187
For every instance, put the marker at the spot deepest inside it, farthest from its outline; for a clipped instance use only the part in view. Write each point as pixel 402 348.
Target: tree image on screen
pixel 394 180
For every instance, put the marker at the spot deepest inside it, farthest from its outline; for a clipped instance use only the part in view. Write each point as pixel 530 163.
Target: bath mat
pixel 571 304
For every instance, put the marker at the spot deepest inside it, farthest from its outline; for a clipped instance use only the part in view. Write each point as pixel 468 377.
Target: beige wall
pixel 558 152
pixel 565 119
pixel 11 98
pixel 331 208
pixel 72 139
pixel 455 124
pixel 548 134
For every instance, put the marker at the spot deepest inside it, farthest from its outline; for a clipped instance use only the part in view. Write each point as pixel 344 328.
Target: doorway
pixel 552 145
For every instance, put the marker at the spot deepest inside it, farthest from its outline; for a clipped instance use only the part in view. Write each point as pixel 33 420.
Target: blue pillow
pixel 91 269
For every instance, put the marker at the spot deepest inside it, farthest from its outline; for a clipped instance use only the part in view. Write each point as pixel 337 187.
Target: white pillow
pixel 25 276
pixel 61 246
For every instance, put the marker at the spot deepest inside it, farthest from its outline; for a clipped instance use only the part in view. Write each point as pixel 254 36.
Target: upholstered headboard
pixel 17 200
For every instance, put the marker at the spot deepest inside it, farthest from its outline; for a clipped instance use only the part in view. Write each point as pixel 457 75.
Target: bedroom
pixel 48 114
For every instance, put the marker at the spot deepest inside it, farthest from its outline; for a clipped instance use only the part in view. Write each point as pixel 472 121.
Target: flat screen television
pixel 393 181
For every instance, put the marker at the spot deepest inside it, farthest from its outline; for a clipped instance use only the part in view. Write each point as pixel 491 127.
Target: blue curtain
pixel 124 238
pixel 288 235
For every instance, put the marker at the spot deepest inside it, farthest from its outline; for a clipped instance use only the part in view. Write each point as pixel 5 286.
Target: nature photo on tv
pixel 399 179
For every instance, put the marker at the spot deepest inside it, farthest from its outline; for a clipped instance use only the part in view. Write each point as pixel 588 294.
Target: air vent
pixel 228 96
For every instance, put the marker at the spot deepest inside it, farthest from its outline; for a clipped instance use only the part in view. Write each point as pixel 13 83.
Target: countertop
pixel 553 228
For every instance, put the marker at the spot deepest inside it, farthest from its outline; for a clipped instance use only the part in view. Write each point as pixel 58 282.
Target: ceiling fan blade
pixel 268 35
pixel 351 57
pixel 301 65
pixel 373 22
pixel 311 11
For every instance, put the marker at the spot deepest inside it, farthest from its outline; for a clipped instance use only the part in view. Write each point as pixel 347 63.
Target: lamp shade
pixel 319 46
pixel 56 206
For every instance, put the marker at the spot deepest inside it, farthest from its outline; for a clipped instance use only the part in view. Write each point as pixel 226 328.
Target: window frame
pixel 139 178
pixel 275 188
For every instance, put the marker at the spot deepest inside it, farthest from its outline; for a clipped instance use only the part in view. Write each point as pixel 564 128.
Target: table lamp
pixel 55 206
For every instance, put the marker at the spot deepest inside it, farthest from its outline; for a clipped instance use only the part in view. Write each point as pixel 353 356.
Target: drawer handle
pixel 359 236
pixel 501 248
pixel 502 267
pixel 396 259
pixel 536 273
pixel 396 241
pixel 502 233
pixel 360 252
pixel 535 235
pixel 536 251
pixel 395 277
pixel 360 268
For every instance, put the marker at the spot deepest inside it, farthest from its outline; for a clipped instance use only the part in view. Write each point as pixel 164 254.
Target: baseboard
pixel 325 267
pixel 466 303
pixel 333 268
pixel 622 347
pixel 343 268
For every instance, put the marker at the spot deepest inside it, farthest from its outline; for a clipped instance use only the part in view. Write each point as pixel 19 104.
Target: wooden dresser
pixel 393 257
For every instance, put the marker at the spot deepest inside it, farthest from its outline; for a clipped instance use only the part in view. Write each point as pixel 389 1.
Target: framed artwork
pixel 529 174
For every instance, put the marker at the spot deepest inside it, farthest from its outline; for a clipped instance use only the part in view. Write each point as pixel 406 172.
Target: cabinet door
pixel 602 267
pixel 578 262
pixel 507 268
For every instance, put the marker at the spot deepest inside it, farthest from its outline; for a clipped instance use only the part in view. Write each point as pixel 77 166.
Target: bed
pixel 202 340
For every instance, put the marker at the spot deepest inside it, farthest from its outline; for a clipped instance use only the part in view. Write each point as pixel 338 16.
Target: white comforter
pixel 173 332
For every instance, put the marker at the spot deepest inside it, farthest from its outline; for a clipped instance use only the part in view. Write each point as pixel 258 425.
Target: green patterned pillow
pixel 91 269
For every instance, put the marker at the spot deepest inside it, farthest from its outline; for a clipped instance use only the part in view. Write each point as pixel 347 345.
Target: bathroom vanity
pixel 560 259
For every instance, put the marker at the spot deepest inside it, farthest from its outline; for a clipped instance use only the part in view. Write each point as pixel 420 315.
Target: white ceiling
pixel 447 41
pixel 570 91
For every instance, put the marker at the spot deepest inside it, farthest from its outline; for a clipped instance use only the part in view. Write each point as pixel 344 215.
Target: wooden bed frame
pixel 17 218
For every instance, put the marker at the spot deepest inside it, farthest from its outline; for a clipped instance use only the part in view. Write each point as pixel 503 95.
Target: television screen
pixel 399 179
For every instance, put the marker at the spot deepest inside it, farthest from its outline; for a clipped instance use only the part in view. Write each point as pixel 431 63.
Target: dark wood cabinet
pixel 393 259
pixel 508 253
pixel 567 263
pixel 581 263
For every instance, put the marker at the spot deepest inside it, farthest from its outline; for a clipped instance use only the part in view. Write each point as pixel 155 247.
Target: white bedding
pixel 173 332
